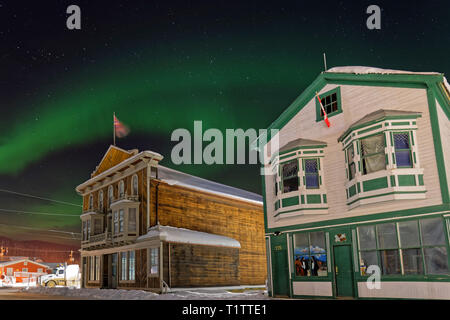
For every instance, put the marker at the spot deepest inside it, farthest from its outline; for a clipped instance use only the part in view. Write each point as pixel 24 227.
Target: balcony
pixel 97 241
pixel 125 198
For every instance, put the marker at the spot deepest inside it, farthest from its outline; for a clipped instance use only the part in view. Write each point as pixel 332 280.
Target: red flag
pixel 119 128
pixel 325 117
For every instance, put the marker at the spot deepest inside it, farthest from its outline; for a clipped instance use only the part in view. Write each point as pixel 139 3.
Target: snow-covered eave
pixel 373 70
pixel 127 162
pixel 182 235
pixel 2 264
pixel 222 194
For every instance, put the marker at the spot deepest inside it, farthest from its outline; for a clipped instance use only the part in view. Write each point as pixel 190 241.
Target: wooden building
pixel 369 193
pixel 22 270
pixel 145 226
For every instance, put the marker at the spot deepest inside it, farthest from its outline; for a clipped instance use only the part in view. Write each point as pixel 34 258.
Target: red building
pixel 24 270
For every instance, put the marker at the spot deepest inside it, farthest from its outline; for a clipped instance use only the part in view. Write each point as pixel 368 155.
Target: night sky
pixel 160 65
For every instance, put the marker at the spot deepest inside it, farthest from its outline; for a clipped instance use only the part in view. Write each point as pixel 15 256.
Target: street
pixel 16 294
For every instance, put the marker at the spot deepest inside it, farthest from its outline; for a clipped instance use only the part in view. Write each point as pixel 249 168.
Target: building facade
pixel 145 226
pixel 22 271
pixel 369 193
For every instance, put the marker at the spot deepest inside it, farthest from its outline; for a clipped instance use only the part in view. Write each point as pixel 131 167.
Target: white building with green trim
pixel 370 190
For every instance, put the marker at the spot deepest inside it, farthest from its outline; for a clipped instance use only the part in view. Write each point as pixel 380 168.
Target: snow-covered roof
pixel 181 235
pixel 174 177
pixel 6 263
pixel 368 70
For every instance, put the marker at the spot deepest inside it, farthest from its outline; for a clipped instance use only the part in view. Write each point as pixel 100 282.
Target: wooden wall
pixel 201 266
pixel 200 211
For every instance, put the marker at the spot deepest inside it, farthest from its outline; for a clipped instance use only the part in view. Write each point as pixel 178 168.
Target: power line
pixel 39 213
pixel 37 197
pixel 31 228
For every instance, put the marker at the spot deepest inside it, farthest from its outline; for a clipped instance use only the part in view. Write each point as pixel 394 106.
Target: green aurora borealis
pixel 243 75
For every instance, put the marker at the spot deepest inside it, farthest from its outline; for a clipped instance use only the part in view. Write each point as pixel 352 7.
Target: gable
pixel 419 80
pixel 112 157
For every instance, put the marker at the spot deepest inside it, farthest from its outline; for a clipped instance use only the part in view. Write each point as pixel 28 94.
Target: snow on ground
pixel 116 294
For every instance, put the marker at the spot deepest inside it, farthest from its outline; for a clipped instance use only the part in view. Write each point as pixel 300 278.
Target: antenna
pixel 325 61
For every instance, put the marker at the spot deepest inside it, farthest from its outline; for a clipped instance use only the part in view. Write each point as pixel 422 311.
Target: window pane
pixel 317 242
pixel 412 261
pixel 352 170
pixel 409 234
pixel 374 163
pixel 154 261
pixel 123 264
pixel 302 265
pixel 301 241
pixel 312 181
pixel 432 231
pixel 311 166
pixel 350 154
pixel 318 265
pixel 290 185
pixel 387 236
pixel 373 144
pixel 290 169
pixel 436 261
pixel 131 262
pixel 367 258
pixel 401 140
pixel 132 220
pixel 403 158
pixel 367 238
pixel 390 262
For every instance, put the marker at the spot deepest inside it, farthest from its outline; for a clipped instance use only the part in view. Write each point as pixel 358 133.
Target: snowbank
pixel 116 294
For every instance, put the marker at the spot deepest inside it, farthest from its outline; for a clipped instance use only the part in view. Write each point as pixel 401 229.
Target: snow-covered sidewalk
pixel 116 294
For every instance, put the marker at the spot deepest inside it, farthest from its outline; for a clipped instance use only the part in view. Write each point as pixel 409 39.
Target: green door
pixel 343 271
pixel 280 268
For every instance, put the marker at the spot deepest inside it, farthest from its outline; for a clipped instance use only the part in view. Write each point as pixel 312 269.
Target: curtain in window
pixel 372 149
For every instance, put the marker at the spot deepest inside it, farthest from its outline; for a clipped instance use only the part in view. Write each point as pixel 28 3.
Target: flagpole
pixel 114 129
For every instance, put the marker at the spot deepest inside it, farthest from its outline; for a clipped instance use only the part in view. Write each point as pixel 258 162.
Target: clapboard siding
pixel 357 101
pixel 200 211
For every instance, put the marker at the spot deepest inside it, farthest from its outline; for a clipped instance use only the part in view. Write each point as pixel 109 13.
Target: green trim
pixel 438 144
pixel 302 198
pixel 336 90
pixel 420 176
pixel 406 180
pixel 403 123
pixel 352 191
pixel 300 209
pixel 319 146
pixel 375 184
pixel 309 152
pixel 370 129
pixel 288 156
pixel 288 202
pixel 385 194
pixel 366 217
pixel 313 198
pixel 392 180
pixel 324 196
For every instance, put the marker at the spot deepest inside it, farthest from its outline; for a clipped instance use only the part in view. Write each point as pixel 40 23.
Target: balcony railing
pixel 126 197
pixel 92 210
pixel 97 240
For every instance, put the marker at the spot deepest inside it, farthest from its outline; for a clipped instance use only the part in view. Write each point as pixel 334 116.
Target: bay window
pixel 311 173
pixel 402 150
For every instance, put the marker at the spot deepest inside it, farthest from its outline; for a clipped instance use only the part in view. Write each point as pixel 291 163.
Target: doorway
pixel 343 271
pixel 105 272
pixel 113 284
pixel 280 267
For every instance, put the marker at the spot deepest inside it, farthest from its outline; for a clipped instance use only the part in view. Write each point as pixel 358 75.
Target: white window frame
pixel 100 200
pixel 135 185
pixel 121 189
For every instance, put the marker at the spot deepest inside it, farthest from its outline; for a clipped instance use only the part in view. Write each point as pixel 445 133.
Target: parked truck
pixel 63 275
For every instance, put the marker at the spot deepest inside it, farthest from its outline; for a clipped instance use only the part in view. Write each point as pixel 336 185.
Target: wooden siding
pixel 112 157
pixel 200 211
pixel 357 101
pixel 202 266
